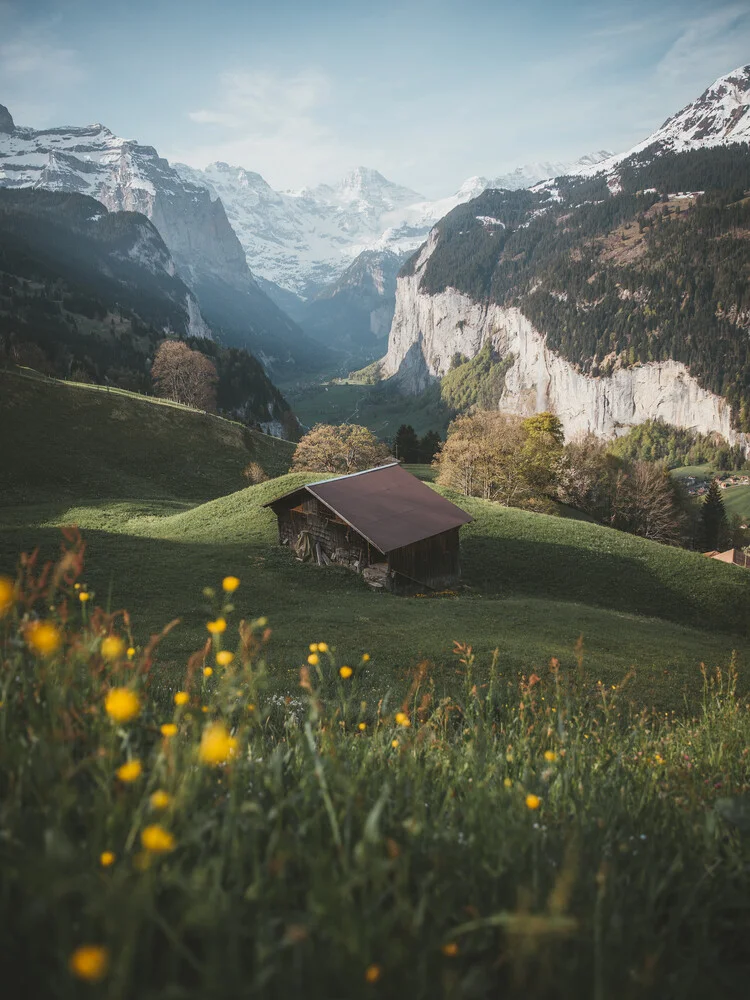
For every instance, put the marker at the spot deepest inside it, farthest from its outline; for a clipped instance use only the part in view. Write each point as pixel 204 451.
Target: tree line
pixel 526 463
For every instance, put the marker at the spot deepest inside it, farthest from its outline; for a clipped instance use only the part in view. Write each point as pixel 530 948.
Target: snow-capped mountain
pixel 126 176
pixel 474 283
pixel 719 117
pixel 305 240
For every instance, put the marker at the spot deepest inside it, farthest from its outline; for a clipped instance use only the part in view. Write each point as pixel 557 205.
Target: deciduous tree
pixel 341 449
pixel 185 376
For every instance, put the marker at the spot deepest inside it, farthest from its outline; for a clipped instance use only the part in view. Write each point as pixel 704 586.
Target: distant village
pixel 697 486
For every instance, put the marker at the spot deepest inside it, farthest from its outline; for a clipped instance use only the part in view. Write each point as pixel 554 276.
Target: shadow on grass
pixel 607 580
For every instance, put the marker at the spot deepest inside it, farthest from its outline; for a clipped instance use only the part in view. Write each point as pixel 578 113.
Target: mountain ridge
pixel 127 176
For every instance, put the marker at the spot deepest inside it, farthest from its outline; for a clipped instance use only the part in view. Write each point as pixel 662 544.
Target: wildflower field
pixel 529 835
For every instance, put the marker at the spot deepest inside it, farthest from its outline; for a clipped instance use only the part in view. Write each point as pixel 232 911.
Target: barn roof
pixel 388 506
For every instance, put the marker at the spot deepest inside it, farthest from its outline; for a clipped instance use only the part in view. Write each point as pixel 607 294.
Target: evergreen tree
pixel 407 444
pixel 428 446
pixel 714 516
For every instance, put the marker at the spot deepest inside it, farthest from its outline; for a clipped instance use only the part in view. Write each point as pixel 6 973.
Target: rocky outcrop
pixel 428 330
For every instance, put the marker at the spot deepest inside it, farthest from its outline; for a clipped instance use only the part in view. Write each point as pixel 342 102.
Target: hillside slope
pixel 63 441
pixel 91 293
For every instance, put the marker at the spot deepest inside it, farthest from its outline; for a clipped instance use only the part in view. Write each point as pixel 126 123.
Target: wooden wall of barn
pixel 433 562
pixel 340 542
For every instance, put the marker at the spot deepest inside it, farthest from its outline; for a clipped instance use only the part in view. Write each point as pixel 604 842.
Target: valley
pixel 473 727
pixel 154 538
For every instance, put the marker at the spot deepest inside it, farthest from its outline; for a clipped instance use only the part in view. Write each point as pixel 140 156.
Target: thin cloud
pixel 719 41
pixel 272 123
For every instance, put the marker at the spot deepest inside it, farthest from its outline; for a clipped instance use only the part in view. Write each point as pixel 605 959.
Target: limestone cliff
pixel 428 330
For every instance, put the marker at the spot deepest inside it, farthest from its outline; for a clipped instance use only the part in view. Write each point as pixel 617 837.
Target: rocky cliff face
pixel 428 330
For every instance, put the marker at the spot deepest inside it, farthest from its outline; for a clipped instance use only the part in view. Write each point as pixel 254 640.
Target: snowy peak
pixel 719 117
pixel 364 190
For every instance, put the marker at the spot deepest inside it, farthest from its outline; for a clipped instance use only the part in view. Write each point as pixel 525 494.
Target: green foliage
pixel 406 444
pixel 714 518
pixel 530 815
pixel 657 441
pixel 475 383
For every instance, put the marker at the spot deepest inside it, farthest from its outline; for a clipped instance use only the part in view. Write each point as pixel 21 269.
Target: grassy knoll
pixel 533 584
pixel 72 440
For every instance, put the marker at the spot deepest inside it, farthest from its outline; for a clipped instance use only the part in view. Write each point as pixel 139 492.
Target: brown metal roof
pixel 388 506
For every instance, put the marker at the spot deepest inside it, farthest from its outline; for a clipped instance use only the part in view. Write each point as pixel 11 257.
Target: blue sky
pixel 426 91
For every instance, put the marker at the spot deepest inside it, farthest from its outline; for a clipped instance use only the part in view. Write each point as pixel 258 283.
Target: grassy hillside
pixel 80 441
pixel 534 585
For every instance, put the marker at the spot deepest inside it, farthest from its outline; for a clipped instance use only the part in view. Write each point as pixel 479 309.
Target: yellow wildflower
pixel 224 658
pixel 550 755
pixel 216 627
pixel 346 672
pixel 131 652
pixel 89 962
pixel 160 799
pixel 402 719
pixel 112 647
pixel 508 782
pixel 181 698
pixel 207 671
pixel 313 659
pixel 450 950
pixel 313 647
pixel 394 743
pixel 230 584
pixel 251 707
pixel 122 704
pixel 156 839
pixel 7 588
pixel 373 973
pixel 322 647
pixel 43 637
pixel 533 801
pixel 365 657
pixel 129 772
pixel 216 744
pixel 169 729
pixel 83 596
pixel 362 726
pixel 106 858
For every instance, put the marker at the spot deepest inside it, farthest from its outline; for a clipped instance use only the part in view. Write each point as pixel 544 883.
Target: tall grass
pixel 534 838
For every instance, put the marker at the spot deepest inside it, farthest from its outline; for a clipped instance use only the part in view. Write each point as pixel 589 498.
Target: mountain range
pixel 612 296
pixel 126 176
pixel 287 274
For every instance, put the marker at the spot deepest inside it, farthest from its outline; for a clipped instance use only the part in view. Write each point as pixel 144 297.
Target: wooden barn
pixel 384 523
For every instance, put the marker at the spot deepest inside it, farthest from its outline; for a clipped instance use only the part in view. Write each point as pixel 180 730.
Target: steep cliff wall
pixel 428 330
